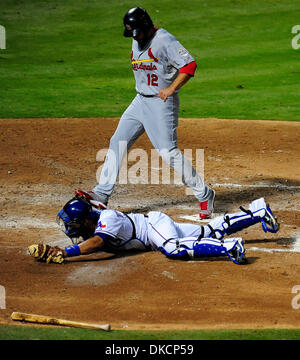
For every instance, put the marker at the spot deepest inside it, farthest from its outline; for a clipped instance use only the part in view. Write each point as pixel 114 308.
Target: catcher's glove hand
pixel 46 253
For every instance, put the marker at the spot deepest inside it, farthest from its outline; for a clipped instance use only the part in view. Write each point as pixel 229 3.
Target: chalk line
pixel 256 186
pixel 295 248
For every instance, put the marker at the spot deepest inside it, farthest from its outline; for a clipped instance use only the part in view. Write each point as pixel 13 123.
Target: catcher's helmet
pixel 72 216
pixel 135 21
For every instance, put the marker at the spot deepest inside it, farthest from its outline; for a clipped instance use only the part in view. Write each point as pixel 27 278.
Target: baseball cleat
pixel 269 222
pixel 237 254
pixel 207 206
pixel 91 198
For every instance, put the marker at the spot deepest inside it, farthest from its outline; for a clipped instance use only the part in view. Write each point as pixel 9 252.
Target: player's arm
pixel 176 85
pixel 88 246
pixel 185 73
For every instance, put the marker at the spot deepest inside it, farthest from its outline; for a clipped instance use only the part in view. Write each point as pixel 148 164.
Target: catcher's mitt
pixel 41 253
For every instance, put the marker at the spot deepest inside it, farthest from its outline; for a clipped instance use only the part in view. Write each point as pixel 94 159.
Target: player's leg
pixel 160 123
pixel 192 248
pixel 127 132
pixel 258 212
pixel 188 229
pixel 232 247
pixel 161 228
pixel 166 236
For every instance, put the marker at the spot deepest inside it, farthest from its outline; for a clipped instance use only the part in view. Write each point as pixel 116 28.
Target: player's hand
pixel 47 253
pixel 54 250
pixel 165 93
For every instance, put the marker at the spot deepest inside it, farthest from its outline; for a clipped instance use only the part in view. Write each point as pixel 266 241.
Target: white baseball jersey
pixel 156 66
pixel 156 231
pixel 122 231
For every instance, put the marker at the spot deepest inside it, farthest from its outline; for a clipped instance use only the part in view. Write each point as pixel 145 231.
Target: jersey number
pixel 152 79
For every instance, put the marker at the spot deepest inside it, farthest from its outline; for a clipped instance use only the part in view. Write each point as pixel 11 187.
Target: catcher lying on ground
pixel 114 231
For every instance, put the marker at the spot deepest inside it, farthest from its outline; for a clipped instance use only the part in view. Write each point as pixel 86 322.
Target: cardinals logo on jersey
pixel 151 56
pixel 138 64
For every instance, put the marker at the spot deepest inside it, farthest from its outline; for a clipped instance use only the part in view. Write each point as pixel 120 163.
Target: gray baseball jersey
pixel 156 66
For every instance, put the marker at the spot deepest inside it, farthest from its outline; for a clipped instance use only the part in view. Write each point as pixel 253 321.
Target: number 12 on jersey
pixel 152 79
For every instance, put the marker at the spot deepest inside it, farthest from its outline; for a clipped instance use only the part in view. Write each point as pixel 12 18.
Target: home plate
pixel 196 218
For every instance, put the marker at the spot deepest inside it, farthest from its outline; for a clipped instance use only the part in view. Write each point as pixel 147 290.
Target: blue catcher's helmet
pixel 72 216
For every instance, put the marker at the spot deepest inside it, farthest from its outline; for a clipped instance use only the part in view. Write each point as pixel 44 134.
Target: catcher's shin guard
pixel 240 222
pixel 258 212
pixel 233 248
pixel 231 224
pixel 191 248
pixel 208 247
pixel 179 254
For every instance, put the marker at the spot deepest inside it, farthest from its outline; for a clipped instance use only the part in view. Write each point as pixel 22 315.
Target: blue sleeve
pixel 106 238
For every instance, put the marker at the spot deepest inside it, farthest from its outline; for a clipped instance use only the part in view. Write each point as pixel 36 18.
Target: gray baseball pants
pixel 159 120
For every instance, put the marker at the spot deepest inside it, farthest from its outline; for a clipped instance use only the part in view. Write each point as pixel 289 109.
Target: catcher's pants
pixel 181 240
pixel 160 120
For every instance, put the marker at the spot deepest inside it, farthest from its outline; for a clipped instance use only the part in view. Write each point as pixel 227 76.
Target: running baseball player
pixel 161 66
pixel 114 231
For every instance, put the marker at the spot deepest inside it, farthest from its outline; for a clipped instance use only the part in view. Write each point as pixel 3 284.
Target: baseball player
pixel 161 66
pixel 115 231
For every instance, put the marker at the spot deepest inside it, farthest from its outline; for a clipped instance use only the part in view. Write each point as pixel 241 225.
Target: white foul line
pixel 271 250
pixel 295 248
pixel 256 186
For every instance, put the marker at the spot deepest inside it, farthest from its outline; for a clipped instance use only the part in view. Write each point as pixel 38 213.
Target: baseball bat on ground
pixel 41 319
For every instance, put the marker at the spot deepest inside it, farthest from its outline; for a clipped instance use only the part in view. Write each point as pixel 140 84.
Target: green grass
pixel 16 332
pixel 69 58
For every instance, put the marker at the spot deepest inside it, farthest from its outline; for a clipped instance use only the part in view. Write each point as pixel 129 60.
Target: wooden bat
pixel 41 319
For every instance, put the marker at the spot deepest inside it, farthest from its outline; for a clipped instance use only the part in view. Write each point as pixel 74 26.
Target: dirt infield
pixel 44 160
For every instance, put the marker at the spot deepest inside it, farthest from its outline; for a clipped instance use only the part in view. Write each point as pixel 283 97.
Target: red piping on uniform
pixel 189 68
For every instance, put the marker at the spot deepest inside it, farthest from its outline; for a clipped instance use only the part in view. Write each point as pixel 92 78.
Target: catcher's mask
pixel 72 216
pixel 135 21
